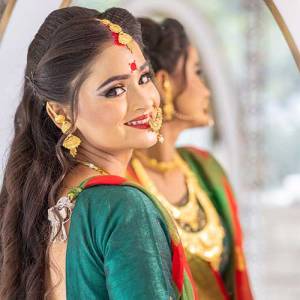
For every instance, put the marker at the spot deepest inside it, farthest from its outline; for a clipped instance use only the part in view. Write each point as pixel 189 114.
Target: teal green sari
pixel 122 245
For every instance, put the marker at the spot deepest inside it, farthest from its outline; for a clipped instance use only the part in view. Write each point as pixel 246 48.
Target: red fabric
pixel 177 265
pixel 107 179
pixel 242 284
pixel 234 212
pixel 203 153
pixel 221 284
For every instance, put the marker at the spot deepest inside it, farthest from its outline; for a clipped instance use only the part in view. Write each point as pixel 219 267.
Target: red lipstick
pixel 141 122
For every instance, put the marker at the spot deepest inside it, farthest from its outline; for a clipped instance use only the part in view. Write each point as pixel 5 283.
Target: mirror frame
pixel 6 16
pixel 285 30
pixel 9 9
pixel 65 3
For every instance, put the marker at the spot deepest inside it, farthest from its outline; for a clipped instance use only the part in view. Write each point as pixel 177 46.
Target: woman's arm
pixel 136 248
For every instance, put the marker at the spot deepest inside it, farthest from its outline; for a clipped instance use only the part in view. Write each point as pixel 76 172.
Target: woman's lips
pixel 141 122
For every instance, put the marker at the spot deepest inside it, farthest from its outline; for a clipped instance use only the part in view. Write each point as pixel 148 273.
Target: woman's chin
pixel 201 122
pixel 146 140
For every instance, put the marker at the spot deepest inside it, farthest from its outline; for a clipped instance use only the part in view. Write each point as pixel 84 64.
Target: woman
pixel 189 182
pixel 79 119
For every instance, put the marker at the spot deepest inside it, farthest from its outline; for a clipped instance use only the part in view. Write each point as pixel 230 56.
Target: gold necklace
pixel 92 166
pixel 152 163
pixel 204 241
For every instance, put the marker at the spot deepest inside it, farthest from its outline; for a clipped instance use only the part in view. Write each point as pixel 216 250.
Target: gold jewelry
pixel 156 123
pixel 160 166
pixel 71 142
pixel 122 37
pixel 205 241
pixel 160 138
pixel 92 166
pixel 168 106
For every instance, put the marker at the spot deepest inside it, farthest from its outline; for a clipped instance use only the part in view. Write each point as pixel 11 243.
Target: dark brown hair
pixel 58 62
pixel 165 43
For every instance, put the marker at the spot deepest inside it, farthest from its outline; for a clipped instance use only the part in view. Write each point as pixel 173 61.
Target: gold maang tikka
pixel 168 106
pixel 156 123
pixel 71 142
pixel 120 37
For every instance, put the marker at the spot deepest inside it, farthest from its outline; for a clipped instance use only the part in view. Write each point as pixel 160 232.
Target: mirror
pixel 248 50
pixel 244 54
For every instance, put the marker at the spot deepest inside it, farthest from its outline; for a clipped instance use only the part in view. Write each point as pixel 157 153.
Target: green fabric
pixel 210 176
pixel 187 292
pixel 118 247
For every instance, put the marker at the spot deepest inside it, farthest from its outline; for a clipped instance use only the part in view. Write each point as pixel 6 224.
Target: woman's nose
pixel 145 99
pixel 206 92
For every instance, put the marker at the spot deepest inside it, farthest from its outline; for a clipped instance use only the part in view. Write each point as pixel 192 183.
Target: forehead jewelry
pixel 121 38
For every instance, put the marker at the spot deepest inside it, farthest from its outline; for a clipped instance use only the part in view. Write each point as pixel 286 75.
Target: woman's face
pixel 114 97
pixel 194 100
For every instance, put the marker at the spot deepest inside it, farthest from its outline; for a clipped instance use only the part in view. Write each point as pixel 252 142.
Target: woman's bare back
pixel 55 274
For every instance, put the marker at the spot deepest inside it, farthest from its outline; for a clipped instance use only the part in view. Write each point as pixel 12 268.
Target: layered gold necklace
pixel 205 241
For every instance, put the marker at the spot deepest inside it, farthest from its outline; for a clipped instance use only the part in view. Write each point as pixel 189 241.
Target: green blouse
pixel 118 247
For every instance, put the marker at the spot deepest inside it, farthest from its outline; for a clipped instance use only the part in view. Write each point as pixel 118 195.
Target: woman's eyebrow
pixel 121 77
pixel 143 66
pixel 113 78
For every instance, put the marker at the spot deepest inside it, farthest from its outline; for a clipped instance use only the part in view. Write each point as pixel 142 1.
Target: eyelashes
pixel 120 89
pixel 114 92
pixel 145 78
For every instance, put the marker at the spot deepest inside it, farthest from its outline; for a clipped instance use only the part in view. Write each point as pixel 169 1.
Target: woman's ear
pixel 54 110
pixel 163 82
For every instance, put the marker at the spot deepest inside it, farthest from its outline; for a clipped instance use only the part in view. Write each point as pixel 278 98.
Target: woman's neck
pixel 113 163
pixel 166 151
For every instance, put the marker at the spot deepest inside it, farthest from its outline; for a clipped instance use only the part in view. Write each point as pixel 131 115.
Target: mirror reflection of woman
pixel 71 226
pixel 189 182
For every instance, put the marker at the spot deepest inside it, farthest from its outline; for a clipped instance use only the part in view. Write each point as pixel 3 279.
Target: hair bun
pixel 164 42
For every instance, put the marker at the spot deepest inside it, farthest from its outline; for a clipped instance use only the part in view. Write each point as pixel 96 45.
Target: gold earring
pixel 156 123
pixel 168 107
pixel 71 142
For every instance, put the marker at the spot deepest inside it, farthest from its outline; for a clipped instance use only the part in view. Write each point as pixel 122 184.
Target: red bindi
pixel 133 66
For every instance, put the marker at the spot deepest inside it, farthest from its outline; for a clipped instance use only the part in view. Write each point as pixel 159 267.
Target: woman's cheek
pixel 112 113
pixel 154 94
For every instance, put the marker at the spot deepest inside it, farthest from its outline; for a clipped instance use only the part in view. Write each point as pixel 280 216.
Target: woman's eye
pixel 114 92
pixel 145 78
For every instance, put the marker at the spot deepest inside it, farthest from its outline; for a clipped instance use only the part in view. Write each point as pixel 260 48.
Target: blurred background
pixel 256 102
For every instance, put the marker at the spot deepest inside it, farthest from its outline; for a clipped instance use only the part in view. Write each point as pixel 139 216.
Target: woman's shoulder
pixel 196 151
pixel 113 198
pixel 108 209
pixel 203 157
